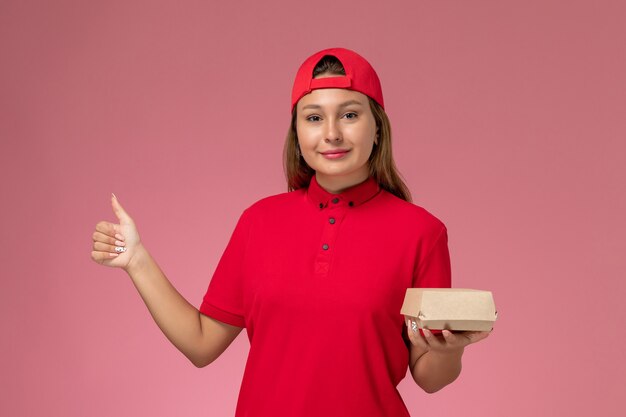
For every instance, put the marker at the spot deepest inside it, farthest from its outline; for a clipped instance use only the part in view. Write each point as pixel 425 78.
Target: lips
pixel 335 152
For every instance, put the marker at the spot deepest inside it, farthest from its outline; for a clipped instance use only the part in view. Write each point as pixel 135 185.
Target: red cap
pixel 360 76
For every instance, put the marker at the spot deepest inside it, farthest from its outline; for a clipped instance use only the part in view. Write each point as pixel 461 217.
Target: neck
pixel 337 184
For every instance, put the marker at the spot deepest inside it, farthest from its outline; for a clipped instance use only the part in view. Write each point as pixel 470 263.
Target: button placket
pixel 333 215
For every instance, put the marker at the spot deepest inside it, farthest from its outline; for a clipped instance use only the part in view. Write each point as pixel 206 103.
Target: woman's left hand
pixel 448 342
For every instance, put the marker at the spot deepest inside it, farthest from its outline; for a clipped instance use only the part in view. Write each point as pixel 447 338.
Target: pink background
pixel 509 125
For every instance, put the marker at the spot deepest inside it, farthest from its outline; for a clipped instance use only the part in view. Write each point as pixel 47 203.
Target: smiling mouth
pixel 335 152
pixel 335 155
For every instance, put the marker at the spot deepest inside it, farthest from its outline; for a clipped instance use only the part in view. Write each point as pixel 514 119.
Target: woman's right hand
pixel 109 235
pixel 200 338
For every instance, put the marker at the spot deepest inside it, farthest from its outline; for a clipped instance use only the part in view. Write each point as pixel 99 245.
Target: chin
pixel 334 172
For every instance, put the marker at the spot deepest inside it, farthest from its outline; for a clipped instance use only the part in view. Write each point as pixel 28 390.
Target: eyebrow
pixel 344 104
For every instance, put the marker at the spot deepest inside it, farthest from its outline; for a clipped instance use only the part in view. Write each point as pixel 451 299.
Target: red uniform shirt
pixel 318 280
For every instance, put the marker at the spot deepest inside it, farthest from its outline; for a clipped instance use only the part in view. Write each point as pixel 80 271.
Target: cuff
pixel 221 315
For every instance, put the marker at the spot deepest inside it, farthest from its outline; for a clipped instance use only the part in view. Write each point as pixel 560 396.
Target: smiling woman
pixel 336 133
pixel 316 275
pixel 380 166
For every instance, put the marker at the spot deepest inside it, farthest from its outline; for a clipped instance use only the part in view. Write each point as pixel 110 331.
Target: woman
pixel 316 275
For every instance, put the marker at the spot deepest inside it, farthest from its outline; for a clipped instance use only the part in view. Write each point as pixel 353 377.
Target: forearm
pixel 434 370
pixel 175 316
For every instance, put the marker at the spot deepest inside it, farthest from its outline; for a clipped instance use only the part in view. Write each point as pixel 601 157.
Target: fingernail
pixel 414 326
pixel 119 237
pixel 114 196
pixel 119 243
pixel 113 255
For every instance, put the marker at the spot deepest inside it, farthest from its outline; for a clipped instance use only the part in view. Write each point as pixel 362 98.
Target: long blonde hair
pixel 381 164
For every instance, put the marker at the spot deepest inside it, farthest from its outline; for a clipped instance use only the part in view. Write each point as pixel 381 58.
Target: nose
pixel 332 133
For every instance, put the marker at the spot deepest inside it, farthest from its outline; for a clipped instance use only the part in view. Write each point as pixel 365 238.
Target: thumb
pixel 119 211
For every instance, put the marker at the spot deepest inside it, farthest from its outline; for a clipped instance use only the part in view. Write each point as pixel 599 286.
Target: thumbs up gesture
pixel 114 244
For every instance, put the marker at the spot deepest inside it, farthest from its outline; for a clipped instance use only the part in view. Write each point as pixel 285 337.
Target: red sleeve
pixel 223 299
pixel 433 267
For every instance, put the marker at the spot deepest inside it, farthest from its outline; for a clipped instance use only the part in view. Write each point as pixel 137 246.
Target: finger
pixel 450 337
pixel 101 237
pixel 101 257
pixel 414 335
pixel 473 336
pixel 108 228
pixel 409 329
pixel 103 247
pixel 119 211
pixel 477 336
pixel 431 339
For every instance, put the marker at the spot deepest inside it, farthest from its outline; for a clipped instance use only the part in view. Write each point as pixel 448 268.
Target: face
pixel 336 132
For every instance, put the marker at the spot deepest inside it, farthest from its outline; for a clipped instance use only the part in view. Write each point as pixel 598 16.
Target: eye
pixel 351 114
pixel 313 118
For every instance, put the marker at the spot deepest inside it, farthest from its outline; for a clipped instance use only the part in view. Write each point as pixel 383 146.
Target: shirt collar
pixel 352 197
